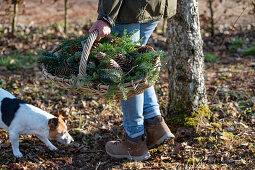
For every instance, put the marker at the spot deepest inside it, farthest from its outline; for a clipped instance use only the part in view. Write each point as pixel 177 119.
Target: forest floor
pixel 227 141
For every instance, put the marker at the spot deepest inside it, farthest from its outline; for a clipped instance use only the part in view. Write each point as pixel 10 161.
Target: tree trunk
pixel 187 92
pixel 14 19
pixel 65 24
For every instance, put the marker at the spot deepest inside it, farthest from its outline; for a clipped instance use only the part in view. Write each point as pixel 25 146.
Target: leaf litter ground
pixel 226 142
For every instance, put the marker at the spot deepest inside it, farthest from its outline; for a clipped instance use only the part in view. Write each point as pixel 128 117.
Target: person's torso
pixel 139 11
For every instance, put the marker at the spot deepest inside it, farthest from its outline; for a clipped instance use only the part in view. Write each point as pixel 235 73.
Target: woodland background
pixel 229 139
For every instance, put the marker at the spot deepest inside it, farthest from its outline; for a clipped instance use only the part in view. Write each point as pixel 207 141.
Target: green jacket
pixel 136 11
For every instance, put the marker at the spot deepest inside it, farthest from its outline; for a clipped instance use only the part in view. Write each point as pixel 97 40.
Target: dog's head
pixel 58 131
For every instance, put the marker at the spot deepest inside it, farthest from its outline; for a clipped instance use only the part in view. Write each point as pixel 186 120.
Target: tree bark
pixel 187 90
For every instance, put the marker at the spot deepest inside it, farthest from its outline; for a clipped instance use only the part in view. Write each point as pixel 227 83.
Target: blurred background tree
pixel 15 4
pixel 65 17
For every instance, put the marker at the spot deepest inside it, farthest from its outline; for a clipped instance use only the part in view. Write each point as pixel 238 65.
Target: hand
pixel 102 27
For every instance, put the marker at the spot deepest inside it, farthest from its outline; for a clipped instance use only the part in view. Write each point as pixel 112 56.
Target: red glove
pixel 102 27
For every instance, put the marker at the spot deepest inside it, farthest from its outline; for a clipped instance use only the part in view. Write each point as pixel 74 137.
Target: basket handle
pixel 85 52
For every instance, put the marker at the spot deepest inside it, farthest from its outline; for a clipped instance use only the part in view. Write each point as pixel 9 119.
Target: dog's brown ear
pixel 53 123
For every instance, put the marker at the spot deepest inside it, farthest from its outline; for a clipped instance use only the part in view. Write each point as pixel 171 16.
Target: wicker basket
pixel 134 87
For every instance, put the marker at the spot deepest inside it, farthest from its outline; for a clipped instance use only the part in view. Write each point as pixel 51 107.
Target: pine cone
pixel 65 70
pixel 123 61
pixel 95 45
pixel 73 49
pixel 129 63
pixel 145 49
pixel 115 41
pixel 120 58
pixel 100 56
pixel 111 65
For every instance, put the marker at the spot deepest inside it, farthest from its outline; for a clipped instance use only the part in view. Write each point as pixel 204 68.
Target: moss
pixel 204 111
pixel 229 135
pixel 212 140
pixel 200 139
pixel 154 151
pixel 206 140
pixel 177 120
pixel 191 120
pixel 210 128
pixel 215 125
pixel 191 161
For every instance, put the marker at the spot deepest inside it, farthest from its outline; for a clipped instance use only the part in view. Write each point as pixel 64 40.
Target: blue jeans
pixel 143 106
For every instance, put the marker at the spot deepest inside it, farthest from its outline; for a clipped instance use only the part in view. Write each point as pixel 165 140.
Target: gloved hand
pixel 103 28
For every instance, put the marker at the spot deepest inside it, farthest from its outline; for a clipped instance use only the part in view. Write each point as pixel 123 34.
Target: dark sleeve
pixel 108 10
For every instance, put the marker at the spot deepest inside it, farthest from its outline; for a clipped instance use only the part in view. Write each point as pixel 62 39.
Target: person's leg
pixel 133 144
pixel 146 30
pixel 156 129
pixel 145 105
pixel 132 108
pixel 119 29
pixel 150 107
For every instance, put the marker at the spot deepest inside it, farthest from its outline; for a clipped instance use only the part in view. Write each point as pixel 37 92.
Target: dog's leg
pixel 14 137
pixel 47 143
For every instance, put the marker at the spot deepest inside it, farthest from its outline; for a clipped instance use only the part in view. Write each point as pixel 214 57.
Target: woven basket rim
pixel 99 86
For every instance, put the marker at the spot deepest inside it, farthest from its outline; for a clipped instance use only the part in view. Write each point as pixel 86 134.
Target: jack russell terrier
pixel 19 118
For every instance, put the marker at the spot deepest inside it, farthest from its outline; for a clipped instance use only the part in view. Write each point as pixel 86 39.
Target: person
pixel 141 113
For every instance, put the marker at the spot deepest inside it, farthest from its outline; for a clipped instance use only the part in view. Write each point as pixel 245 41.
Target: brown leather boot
pixel 157 131
pixel 125 148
